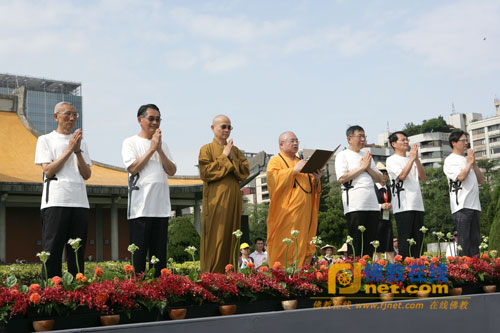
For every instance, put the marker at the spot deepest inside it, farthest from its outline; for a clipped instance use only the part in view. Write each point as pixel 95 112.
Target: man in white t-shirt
pixel 464 176
pixel 357 174
pixel 65 161
pixel 407 204
pixel 149 163
pixel 259 255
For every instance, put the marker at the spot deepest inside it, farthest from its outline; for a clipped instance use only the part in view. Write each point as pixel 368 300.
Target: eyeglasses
pixel 69 114
pixel 359 136
pixel 463 140
pixel 229 127
pixel 403 140
pixel 151 118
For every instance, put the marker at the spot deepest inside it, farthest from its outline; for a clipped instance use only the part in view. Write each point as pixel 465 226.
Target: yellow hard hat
pixel 244 246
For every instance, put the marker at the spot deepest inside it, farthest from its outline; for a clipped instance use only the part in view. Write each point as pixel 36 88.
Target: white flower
pixel 361 228
pixel 349 240
pixel 449 235
pixel 295 233
pixel 423 229
pixel 483 246
pixel 485 239
pixel 316 240
pixel 439 235
pixel 43 256
pixel 375 243
pixel 154 260
pixel 411 241
pixel 190 249
pixel 238 233
pixel 132 248
pixel 75 243
pixel 459 248
pixel 287 240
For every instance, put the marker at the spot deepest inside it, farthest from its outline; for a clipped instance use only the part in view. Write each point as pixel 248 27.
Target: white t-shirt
pixel 362 195
pixel 69 189
pixel 151 194
pixel 258 258
pixel 468 190
pixel 411 197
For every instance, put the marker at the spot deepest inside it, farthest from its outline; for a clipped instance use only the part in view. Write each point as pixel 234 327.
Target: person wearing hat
pixel 328 251
pixel 245 255
pixel 343 251
pixel 384 229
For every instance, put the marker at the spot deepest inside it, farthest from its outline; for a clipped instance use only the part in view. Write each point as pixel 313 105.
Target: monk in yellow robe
pixel 294 204
pixel 222 166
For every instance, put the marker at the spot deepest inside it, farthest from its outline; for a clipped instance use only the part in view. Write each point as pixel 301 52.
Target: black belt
pixel 346 187
pixel 48 180
pixel 132 181
pixel 455 186
pixel 397 188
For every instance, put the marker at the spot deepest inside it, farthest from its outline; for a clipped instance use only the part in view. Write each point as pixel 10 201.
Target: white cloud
pixel 453 36
pixel 225 63
pixel 347 41
pixel 235 29
pixel 181 59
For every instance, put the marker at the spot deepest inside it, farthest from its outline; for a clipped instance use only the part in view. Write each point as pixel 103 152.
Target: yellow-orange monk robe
pixel 221 204
pixel 294 206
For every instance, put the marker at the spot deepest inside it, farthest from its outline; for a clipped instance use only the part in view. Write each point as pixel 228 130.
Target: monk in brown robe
pixel 294 204
pixel 222 166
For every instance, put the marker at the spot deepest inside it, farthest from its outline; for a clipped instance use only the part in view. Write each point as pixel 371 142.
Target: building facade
pixel 41 97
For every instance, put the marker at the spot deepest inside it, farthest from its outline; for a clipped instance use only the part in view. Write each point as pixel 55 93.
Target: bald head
pixel 220 119
pixel 289 144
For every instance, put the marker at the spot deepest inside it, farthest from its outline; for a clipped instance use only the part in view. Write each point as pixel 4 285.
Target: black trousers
pixel 150 234
pixel 59 224
pixel 469 236
pixel 368 219
pixel 408 225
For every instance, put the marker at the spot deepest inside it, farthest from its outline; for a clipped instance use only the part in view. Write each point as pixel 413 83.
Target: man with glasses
pixel 357 174
pixel 149 163
pixel 222 166
pixel 464 176
pixel 294 204
pixel 65 161
pixel 406 173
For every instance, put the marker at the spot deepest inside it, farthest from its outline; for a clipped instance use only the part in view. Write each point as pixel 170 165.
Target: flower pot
pixel 227 309
pixel 289 304
pixel 110 320
pixel 338 301
pixel 423 294
pixel 455 291
pixel 43 325
pixel 386 297
pixel 176 314
pixel 490 288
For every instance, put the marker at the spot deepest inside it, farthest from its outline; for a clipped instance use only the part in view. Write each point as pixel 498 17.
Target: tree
pixel 493 214
pixel 332 227
pixel 257 220
pixel 487 165
pixel 411 129
pixel 181 234
pixel 431 125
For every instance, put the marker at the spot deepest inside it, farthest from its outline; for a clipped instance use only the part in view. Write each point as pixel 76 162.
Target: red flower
pixel 128 269
pixel 35 287
pixel 450 259
pixel 398 258
pixel 485 257
pixel 263 269
pixel 323 268
pixel 319 275
pixel 435 260
pixel 98 271
pixel 408 260
pixel 362 262
pixel 56 280
pixel 165 272
pixel 277 265
pixel 250 264
pixel 366 257
pixel 229 268
pixel 35 298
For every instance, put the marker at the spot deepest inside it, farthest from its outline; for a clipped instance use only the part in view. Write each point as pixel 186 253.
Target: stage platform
pixel 469 313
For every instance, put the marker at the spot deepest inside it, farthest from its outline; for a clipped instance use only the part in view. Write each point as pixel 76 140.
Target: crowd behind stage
pixel 371 195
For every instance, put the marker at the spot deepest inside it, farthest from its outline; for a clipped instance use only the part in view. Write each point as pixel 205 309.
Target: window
pixel 265 196
pixel 478 131
pixel 493 127
pixel 263 180
pixel 495 150
pixel 264 188
pixel 495 139
pixel 480 153
pixel 479 142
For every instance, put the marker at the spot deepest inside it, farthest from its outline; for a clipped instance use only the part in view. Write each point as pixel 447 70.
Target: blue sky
pixel 313 67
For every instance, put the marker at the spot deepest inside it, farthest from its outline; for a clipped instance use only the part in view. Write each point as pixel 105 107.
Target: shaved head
pixel 220 119
pixel 285 135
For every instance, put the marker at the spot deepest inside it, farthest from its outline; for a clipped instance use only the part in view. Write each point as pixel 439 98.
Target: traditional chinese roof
pixel 17 155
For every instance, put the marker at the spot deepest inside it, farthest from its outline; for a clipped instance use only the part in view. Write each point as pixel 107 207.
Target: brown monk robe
pixel 294 204
pixel 222 167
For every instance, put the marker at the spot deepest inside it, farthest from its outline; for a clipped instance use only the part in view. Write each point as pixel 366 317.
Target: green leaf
pixel 11 281
pixel 67 279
